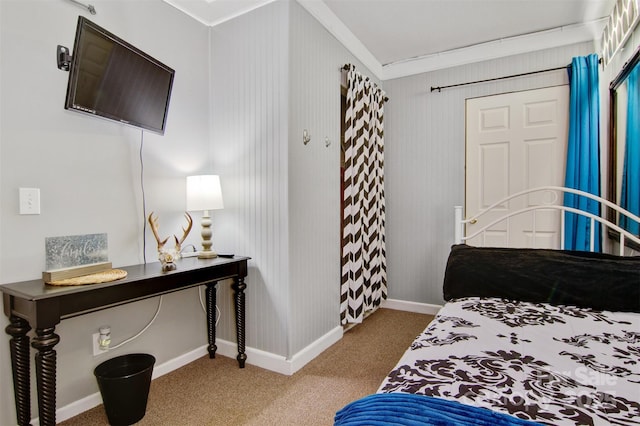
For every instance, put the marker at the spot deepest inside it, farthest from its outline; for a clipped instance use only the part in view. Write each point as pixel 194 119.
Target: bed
pixel 526 336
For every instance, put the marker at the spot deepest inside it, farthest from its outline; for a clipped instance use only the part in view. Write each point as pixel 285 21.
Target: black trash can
pixel 124 383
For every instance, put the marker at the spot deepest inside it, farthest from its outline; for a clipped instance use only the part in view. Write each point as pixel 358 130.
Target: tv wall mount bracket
pixel 64 59
pixel 89 7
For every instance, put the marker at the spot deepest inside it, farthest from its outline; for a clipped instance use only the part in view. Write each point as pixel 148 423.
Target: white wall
pixel 249 99
pixel 424 156
pixel 243 92
pixel 238 127
pixel 88 173
pixel 424 160
pixel 275 72
pixel 316 59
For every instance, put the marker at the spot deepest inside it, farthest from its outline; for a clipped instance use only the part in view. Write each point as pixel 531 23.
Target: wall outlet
pixel 96 346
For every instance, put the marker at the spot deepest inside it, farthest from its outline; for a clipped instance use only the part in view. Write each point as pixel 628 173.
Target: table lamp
pixel 204 194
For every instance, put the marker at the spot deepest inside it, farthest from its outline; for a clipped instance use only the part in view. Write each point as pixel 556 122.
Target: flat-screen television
pixel 110 78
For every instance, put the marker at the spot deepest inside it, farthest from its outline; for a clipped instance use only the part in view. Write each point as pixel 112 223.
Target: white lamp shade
pixel 204 193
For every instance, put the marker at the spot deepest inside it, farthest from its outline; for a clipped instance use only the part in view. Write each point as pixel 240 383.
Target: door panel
pixel 516 141
pixel 494 172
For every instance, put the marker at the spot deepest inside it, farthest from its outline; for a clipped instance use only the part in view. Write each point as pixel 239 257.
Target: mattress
pixel 556 365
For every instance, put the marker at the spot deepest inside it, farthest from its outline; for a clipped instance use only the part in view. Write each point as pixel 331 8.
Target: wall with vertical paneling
pixel 261 79
pixel 276 72
pixel 315 75
pixel 314 180
pixel 249 104
pixel 424 160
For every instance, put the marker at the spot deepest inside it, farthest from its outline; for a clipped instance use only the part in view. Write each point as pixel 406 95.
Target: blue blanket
pixel 419 410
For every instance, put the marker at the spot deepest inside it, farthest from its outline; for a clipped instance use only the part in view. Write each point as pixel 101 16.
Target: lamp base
pixel 208 254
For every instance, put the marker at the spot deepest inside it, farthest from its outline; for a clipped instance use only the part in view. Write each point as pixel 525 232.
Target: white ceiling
pixel 394 38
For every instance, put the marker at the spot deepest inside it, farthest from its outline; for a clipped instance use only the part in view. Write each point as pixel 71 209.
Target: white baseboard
pixel 279 363
pixel 95 399
pixel 180 361
pixel 75 408
pixel 257 357
pixel 403 305
pixel 306 355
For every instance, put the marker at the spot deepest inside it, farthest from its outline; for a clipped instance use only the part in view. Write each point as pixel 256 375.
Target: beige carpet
pixel 217 392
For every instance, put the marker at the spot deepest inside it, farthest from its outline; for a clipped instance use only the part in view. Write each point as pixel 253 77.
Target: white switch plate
pixel 29 200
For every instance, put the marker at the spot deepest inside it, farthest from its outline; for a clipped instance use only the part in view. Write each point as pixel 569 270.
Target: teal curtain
pixel 583 152
pixel 630 195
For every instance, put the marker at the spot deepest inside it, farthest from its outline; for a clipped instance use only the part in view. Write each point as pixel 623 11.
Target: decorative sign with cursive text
pixel 76 250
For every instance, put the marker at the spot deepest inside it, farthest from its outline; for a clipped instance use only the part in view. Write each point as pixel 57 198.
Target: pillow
pixel 559 277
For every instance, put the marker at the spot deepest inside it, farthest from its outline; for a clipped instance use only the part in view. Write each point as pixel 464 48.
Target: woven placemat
pixel 98 277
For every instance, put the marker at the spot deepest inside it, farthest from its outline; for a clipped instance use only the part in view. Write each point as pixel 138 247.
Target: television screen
pixel 112 79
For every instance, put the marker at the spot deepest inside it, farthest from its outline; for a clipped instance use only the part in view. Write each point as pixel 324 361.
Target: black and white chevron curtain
pixel 364 270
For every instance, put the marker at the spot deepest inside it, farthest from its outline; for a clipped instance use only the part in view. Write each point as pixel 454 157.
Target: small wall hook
pixel 327 142
pixel 306 137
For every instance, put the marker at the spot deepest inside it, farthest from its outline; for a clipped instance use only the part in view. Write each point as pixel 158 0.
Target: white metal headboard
pixel 460 223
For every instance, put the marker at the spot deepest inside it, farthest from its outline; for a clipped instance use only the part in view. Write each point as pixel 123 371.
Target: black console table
pixel 34 304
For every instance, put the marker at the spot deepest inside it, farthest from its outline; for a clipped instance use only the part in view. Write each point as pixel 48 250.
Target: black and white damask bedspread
pixel 557 365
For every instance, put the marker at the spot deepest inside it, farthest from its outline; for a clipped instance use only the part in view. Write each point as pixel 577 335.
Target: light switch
pixel 29 200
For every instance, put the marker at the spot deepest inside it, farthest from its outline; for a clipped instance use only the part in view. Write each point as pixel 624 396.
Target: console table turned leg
pixel 19 347
pixel 46 358
pixel 210 294
pixel 238 287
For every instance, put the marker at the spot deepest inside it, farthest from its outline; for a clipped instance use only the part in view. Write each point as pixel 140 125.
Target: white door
pixel 516 141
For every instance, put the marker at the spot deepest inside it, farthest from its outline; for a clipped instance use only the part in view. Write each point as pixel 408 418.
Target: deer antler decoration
pixel 185 232
pixel 167 256
pixel 153 222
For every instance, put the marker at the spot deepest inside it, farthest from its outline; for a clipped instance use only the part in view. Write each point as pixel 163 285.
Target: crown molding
pixel 525 43
pixel 200 10
pixel 186 11
pixel 555 37
pixel 326 17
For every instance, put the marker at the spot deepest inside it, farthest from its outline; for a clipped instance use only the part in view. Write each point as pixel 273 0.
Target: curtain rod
pixel 345 67
pixel 439 88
